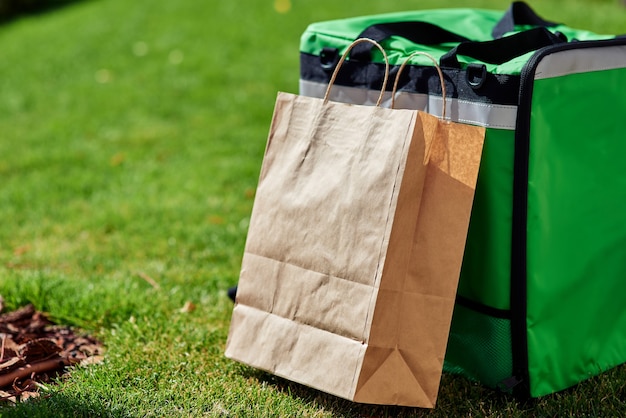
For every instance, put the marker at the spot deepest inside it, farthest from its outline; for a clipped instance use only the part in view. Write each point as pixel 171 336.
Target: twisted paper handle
pixel 343 58
pixel 443 85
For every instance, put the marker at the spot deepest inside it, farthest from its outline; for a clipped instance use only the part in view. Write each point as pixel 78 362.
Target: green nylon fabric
pixel 576 233
pixel 486 269
pixel 474 24
pixel 576 229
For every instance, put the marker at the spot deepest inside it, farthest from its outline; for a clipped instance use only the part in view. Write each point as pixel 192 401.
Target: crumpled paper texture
pixel 355 205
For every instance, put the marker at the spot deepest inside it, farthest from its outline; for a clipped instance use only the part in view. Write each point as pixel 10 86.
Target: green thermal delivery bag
pixel 541 303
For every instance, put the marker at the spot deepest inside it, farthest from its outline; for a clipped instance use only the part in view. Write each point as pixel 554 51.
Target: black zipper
pixel 519 296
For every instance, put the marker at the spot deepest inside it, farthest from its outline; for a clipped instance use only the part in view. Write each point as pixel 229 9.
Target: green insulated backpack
pixel 541 303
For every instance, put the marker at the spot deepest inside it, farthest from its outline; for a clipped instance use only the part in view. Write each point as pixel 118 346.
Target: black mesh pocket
pixel 479 346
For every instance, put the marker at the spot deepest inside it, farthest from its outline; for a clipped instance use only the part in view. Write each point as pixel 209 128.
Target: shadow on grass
pixel 602 395
pixel 12 9
pixel 454 392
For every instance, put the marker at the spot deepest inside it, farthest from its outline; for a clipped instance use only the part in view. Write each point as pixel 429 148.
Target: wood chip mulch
pixel 34 352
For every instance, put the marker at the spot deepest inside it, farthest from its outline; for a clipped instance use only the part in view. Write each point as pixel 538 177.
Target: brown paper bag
pixel 354 248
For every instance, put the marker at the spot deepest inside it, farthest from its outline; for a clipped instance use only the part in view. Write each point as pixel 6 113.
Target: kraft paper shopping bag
pixel 354 248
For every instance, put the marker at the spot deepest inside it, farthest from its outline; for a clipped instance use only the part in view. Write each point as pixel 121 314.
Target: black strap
pixel 502 50
pixel 418 32
pixel 519 13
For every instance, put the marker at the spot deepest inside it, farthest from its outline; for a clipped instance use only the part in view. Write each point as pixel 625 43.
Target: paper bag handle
pixel 443 84
pixel 343 58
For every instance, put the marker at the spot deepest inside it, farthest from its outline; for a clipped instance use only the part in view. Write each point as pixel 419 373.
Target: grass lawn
pixel 131 137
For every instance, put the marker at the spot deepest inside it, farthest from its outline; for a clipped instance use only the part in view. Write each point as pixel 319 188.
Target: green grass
pixel 131 136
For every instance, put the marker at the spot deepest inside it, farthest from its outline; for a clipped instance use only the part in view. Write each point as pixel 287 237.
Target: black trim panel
pixel 500 89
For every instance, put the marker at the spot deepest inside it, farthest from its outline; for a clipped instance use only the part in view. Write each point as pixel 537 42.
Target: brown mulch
pixel 34 351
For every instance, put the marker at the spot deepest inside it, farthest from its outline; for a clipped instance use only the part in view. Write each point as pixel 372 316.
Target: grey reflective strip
pixel 581 60
pixel 483 114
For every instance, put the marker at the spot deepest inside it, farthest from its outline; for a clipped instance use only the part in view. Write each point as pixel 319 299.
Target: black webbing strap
pixel 423 33
pixel 502 50
pixel 519 13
